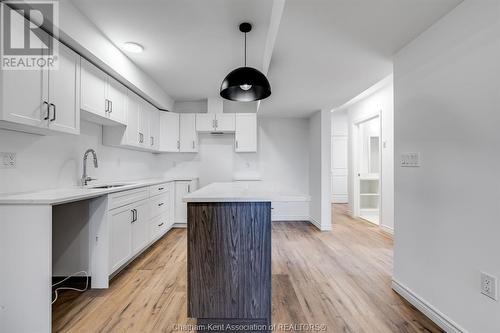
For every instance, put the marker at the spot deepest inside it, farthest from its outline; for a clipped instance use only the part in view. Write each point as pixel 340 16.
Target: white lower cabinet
pixel 139 217
pixel 120 240
pixel 181 189
pixel 140 227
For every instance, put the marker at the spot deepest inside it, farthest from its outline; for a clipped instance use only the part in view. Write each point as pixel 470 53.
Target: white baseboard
pixel 180 225
pixel 290 218
pixel 427 309
pixel 387 229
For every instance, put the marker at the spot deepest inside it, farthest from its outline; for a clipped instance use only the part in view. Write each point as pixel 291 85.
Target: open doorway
pixel 367 168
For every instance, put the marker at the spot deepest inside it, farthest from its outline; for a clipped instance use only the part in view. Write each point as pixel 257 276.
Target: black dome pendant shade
pixel 245 84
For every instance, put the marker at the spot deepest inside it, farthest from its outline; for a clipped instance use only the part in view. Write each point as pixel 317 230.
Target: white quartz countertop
pixel 244 192
pixel 63 195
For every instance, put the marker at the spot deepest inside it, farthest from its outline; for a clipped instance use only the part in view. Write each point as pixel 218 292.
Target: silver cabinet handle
pixel 141 137
pixel 216 123
pixel 47 109
pixel 54 109
pixel 161 188
pixel 152 141
pixel 161 204
pixel 160 224
pixel 193 144
pixel 236 144
pixel 189 188
pixel 213 123
pixel 106 105
pixel 134 215
pixel 110 106
pixel 178 144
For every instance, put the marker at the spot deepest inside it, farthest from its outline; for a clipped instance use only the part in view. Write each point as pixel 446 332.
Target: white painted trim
pixel 179 225
pixel 387 229
pixel 340 199
pixel 290 218
pixel 427 309
pixel 317 224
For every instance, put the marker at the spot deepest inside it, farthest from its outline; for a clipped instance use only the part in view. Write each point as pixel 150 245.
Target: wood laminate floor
pixel 340 279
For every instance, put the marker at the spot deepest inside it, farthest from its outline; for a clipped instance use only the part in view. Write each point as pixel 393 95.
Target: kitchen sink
pixel 107 186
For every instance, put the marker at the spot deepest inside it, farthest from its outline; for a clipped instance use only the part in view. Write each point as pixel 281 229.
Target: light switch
pixel 7 160
pixel 410 160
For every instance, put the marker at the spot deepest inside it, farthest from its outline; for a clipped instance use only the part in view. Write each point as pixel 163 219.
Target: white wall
pixel 339 163
pixel 380 100
pixel 447 101
pixel 320 169
pixel 55 161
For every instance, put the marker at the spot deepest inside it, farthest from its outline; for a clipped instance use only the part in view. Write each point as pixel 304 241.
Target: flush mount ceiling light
pixel 245 84
pixel 133 47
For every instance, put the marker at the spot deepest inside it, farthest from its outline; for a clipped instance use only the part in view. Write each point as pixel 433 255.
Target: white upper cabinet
pixel 144 107
pixel 225 122
pixel 215 122
pixel 188 137
pixel 64 92
pixel 169 132
pixel 116 98
pixel 93 89
pixel 101 96
pixel 132 114
pixel 154 128
pixel 205 122
pixel 246 133
pixel 41 100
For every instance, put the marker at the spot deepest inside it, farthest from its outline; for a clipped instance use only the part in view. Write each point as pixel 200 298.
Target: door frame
pixel 355 160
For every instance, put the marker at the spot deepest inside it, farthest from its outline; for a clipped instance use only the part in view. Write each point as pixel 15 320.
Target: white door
pixel 140 227
pixel 120 247
pixel 246 132
pixel 169 131
pixel 93 89
pixel 132 130
pixel 205 122
pixel 188 137
pixel 225 122
pixel 154 128
pixel 116 95
pixel 64 88
pixel 339 170
pixel 24 97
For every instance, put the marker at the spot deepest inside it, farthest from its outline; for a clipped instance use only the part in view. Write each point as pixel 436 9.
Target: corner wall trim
pixel 315 223
pixel 427 309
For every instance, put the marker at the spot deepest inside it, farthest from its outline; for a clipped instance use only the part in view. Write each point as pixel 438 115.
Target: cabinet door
pixel 23 91
pixel 225 122
pixel 188 137
pixel 132 130
pixel 205 122
pixel 93 89
pixel 140 227
pixel 120 247
pixel 181 189
pixel 154 128
pixel 64 88
pixel 169 131
pixel 116 95
pixel 143 123
pixel 246 132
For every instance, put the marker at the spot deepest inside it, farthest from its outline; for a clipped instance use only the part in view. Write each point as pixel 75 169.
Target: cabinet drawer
pixel 159 225
pixel 124 198
pixel 159 189
pixel 159 204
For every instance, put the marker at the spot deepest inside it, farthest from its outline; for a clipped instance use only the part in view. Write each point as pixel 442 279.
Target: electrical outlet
pixel 489 285
pixel 410 160
pixel 7 160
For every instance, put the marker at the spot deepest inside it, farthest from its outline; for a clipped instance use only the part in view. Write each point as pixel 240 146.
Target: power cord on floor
pixel 69 288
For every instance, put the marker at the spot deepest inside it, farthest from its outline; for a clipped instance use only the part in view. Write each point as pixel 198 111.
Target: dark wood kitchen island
pixel 229 258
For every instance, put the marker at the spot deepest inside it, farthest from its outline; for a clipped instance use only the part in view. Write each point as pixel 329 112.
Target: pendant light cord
pixel 245 49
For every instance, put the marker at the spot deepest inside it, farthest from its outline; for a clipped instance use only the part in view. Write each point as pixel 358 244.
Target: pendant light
pixel 245 84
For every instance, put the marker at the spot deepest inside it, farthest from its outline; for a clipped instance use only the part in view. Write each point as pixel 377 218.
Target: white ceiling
pixel 326 51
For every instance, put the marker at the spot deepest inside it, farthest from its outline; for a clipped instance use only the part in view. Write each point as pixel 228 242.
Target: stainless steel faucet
pixel 85 178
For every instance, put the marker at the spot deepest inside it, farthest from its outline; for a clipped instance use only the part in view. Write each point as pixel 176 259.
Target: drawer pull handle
pixel 160 188
pixel 160 224
pixel 160 204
